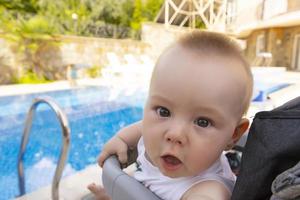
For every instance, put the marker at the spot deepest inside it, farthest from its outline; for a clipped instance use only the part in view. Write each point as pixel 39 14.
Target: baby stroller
pixel 269 168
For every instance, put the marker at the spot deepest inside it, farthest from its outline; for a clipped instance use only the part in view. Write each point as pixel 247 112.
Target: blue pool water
pixel 94 115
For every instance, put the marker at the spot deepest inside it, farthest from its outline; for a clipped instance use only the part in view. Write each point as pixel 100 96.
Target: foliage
pixel 68 16
pixel 200 24
pixel 84 17
pixel 137 15
pixel 110 18
pixel 31 25
pixel 137 18
pixel 22 6
pixel 29 38
pixel 152 8
pixel 35 29
pixel 94 71
pixel 30 78
pixel 144 11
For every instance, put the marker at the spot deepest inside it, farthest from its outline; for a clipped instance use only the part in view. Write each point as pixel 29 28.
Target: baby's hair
pixel 212 43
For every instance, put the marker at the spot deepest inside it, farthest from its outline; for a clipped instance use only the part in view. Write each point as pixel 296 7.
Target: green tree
pixel 137 17
pixel 144 11
pixel 68 16
pixel 152 8
pixel 29 39
pixel 111 16
pixel 29 34
pixel 20 6
pixel 32 24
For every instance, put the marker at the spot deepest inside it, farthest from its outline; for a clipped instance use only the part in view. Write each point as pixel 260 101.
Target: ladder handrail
pixel 64 151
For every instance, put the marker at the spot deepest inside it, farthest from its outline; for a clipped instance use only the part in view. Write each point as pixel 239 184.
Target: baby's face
pixel 193 108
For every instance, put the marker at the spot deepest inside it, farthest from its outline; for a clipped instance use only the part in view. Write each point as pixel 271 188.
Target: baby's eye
pixel 163 112
pixel 202 122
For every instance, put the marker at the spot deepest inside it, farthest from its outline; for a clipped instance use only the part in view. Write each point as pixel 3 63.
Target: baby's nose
pixel 177 134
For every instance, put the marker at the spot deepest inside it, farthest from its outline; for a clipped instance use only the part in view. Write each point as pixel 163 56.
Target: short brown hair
pixel 220 44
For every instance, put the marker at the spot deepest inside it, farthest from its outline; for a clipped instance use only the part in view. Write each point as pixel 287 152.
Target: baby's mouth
pixel 171 162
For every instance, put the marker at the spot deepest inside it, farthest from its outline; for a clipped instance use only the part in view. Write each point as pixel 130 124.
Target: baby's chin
pixel 175 174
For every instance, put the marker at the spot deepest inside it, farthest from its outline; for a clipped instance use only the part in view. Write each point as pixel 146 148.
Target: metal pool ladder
pixel 64 151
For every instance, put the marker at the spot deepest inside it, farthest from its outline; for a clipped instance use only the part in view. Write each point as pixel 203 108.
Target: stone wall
pixel 289 36
pixel 280 45
pixel 70 50
pixel 279 42
pixel 293 5
pixel 8 66
pixel 92 51
pixel 250 51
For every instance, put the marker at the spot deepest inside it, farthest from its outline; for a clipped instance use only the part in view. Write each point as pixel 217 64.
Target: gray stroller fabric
pixel 121 186
pixel 272 147
pixel 286 186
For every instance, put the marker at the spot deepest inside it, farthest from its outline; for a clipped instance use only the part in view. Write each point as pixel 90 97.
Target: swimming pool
pixel 94 115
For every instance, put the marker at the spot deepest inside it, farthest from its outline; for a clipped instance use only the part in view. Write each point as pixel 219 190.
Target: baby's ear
pixel 238 132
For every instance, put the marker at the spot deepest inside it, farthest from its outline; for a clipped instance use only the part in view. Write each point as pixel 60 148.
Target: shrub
pixel 94 71
pixel 30 78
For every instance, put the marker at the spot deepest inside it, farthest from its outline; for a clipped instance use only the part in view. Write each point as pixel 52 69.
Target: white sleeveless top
pixel 173 188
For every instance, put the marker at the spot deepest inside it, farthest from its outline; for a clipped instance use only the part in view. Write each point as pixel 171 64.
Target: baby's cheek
pixel 196 164
pixel 200 163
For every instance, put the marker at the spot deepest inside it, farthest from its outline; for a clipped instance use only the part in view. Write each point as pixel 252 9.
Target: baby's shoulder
pixel 207 190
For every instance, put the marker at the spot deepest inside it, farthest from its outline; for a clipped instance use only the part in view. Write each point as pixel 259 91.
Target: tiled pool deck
pixel 71 187
pixel 7 90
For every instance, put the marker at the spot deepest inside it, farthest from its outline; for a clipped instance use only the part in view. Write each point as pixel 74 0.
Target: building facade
pixel 271 31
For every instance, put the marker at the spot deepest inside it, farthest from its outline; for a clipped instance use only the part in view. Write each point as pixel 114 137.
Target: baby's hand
pixel 127 137
pixel 114 146
pixel 98 191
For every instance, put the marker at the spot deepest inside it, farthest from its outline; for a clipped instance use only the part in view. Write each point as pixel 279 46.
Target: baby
pixel 200 89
